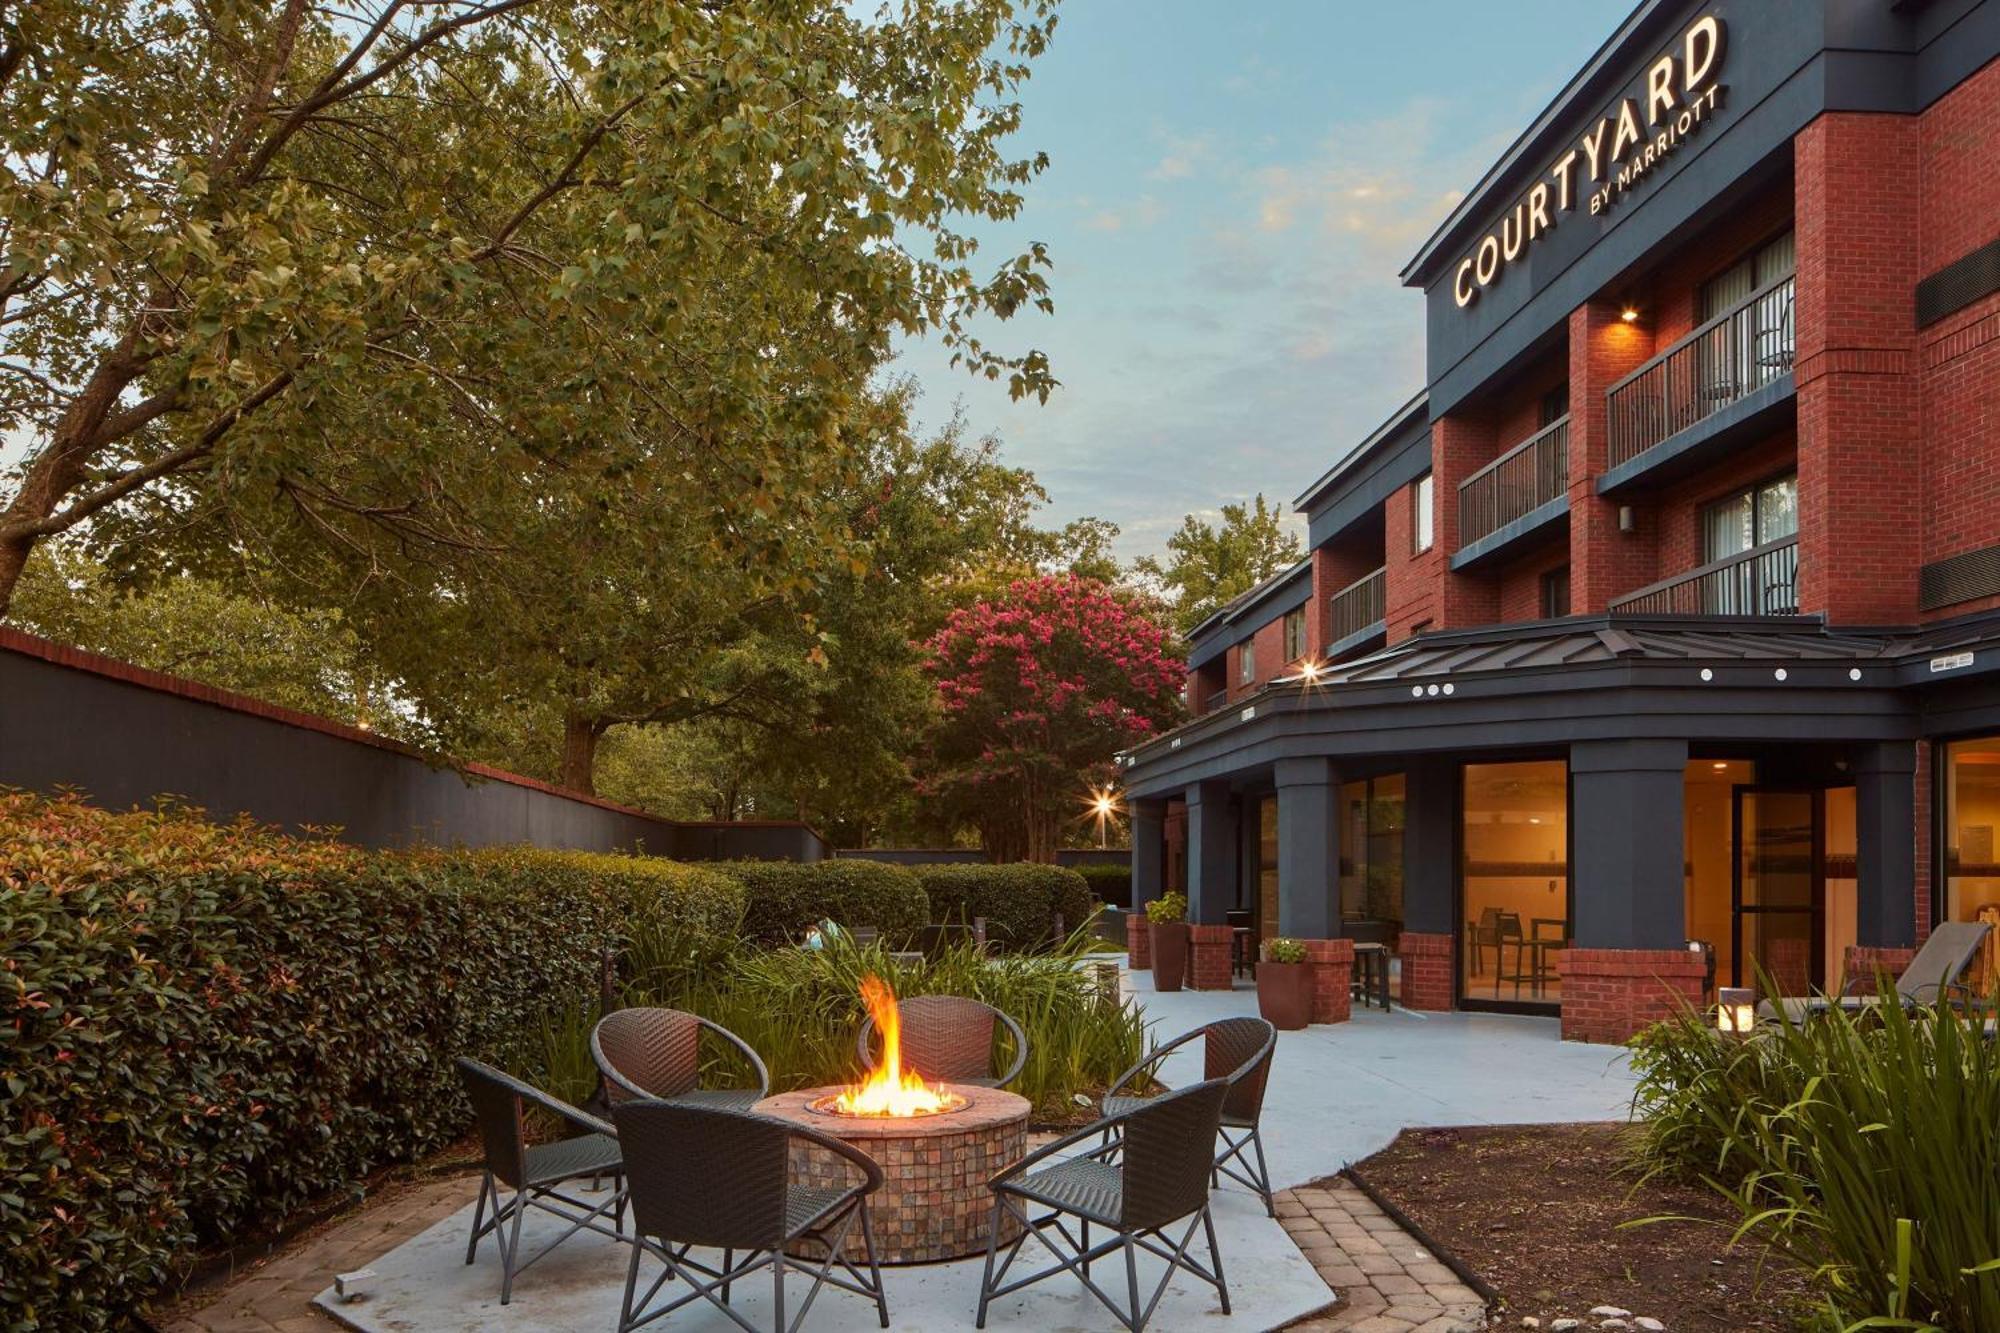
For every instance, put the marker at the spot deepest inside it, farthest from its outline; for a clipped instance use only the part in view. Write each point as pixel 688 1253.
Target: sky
pixel 1232 192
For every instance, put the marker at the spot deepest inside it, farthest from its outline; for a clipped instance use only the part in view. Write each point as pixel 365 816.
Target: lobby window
pixel 1515 880
pixel 1555 593
pixel 1756 516
pixel 1971 859
pixel 1246 662
pixel 1422 515
pixel 1371 858
pixel 1295 634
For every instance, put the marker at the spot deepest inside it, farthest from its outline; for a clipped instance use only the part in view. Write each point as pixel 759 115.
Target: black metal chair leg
pixel 1133 1321
pixel 1215 1258
pixel 992 1250
pixel 874 1268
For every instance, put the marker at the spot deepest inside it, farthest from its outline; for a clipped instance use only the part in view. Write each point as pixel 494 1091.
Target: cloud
pixel 1182 157
pixel 1144 212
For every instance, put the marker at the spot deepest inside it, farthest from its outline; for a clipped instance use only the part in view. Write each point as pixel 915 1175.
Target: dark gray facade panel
pixel 1211 852
pixel 1308 849
pixel 1149 851
pixel 126 745
pixel 1535 526
pixel 1885 818
pixel 1627 848
pixel 1397 463
pixel 1430 847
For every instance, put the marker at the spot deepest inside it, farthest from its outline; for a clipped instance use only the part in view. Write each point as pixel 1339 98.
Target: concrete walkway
pixel 1341 1092
pixel 1338 1093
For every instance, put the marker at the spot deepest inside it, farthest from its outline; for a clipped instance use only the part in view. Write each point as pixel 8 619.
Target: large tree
pixel 1207 564
pixel 418 283
pixel 1038 690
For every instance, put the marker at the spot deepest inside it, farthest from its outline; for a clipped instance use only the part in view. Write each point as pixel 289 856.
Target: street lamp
pixel 1103 804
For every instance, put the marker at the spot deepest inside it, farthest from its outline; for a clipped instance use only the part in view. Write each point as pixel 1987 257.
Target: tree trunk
pixel 579 755
pixel 63 464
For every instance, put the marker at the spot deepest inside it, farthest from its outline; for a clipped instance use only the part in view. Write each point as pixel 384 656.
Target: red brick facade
pixel 1428 961
pixel 1208 957
pixel 1139 941
pixel 1608 995
pixel 1333 979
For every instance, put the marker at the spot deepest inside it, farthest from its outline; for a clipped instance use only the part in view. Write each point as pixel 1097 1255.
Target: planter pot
pixel 1285 994
pixel 1170 954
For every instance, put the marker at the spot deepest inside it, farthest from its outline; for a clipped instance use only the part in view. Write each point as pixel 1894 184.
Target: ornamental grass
pixel 1865 1147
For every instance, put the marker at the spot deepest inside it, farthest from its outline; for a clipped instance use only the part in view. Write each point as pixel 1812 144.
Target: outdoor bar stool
pixel 535 1173
pixel 704 1176
pixel 1160 1175
pixel 1236 1051
pixel 657 1053
pixel 950 1038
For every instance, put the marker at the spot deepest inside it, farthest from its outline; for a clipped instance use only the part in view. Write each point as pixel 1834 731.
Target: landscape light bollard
pixel 1735 1010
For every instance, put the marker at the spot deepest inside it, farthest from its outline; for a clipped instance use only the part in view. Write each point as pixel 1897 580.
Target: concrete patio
pixel 1337 1094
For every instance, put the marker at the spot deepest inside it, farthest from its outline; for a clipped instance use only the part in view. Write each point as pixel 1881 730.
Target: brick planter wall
pixel 1864 961
pixel 1427 964
pixel 1333 974
pixel 1139 942
pixel 1610 994
pixel 1208 957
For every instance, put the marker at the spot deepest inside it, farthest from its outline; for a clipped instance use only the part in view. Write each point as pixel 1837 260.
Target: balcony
pixel 1722 375
pixel 1762 581
pixel 1514 494
pixel 1354 614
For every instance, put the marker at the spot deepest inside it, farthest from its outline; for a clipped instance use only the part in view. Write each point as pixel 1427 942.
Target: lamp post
pixel 1735 1010
pixel 1102 806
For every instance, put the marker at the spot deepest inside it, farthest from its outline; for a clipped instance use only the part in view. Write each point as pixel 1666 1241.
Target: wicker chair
pixel 1153 1171
pixel 718 1178
pixel 1237 1051
pixel 950 1038
pixel 535 1173
pixel 657 1053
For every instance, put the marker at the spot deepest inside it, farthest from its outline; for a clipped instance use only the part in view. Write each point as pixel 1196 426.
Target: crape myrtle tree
pixel 1038 689
pixel 435 305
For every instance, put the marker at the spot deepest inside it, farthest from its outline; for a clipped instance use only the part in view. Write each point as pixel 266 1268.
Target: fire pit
pixel 937 1145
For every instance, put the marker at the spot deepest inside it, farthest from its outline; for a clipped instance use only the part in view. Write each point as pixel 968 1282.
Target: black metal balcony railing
pixel 1725 360
pixel 1515 484
pixel 1762 581
pixel 1355 608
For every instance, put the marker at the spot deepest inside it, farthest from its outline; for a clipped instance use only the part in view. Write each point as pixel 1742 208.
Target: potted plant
pixel 1285 985
pixel 1166 917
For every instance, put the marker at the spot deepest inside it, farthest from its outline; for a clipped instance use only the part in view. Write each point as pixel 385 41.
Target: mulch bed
pixel 1535 1210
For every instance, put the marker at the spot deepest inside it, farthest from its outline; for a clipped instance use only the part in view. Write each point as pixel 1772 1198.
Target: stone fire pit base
pixel 933 1203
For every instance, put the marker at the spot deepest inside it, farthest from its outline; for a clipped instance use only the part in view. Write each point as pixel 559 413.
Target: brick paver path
pixel 275 1295
pixel 1388 1283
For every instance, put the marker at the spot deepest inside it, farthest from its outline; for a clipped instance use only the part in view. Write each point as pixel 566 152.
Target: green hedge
pixel 785 897
pixel 1110 884
pixel 212 1025
pixel 1019 900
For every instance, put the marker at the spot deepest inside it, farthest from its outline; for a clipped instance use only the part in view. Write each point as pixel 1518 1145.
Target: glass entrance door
pixel 1779 892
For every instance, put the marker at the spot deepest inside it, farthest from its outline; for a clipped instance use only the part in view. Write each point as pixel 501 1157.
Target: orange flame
pixel 888 1089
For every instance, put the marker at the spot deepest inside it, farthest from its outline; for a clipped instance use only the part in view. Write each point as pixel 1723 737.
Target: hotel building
pixel 1669 610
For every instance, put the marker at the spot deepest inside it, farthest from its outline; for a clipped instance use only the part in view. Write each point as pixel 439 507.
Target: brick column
pixel 1211 825
pixel 1428 960
pixel 1308 848
pixel 1332 963
pixel 1863 964
pixel 1461 444
pixel 1208 957
pixel 1608 995
pixel 1885 810
pixel 1139 942
pixel 1856 178
pixel 1603 562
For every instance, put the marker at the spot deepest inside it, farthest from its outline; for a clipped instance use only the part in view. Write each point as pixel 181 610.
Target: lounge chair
pixel 1238 1052
pixel 1161 1175
pixel 535 1173
pixel 950 1038
pixel 646 1052
pixel 1938 965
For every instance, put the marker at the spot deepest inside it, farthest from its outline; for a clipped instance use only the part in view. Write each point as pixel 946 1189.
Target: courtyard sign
pixel 1681 95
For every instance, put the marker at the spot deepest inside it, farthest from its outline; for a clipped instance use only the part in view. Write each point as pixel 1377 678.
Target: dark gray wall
pixel 125 743
pixel 1788 61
